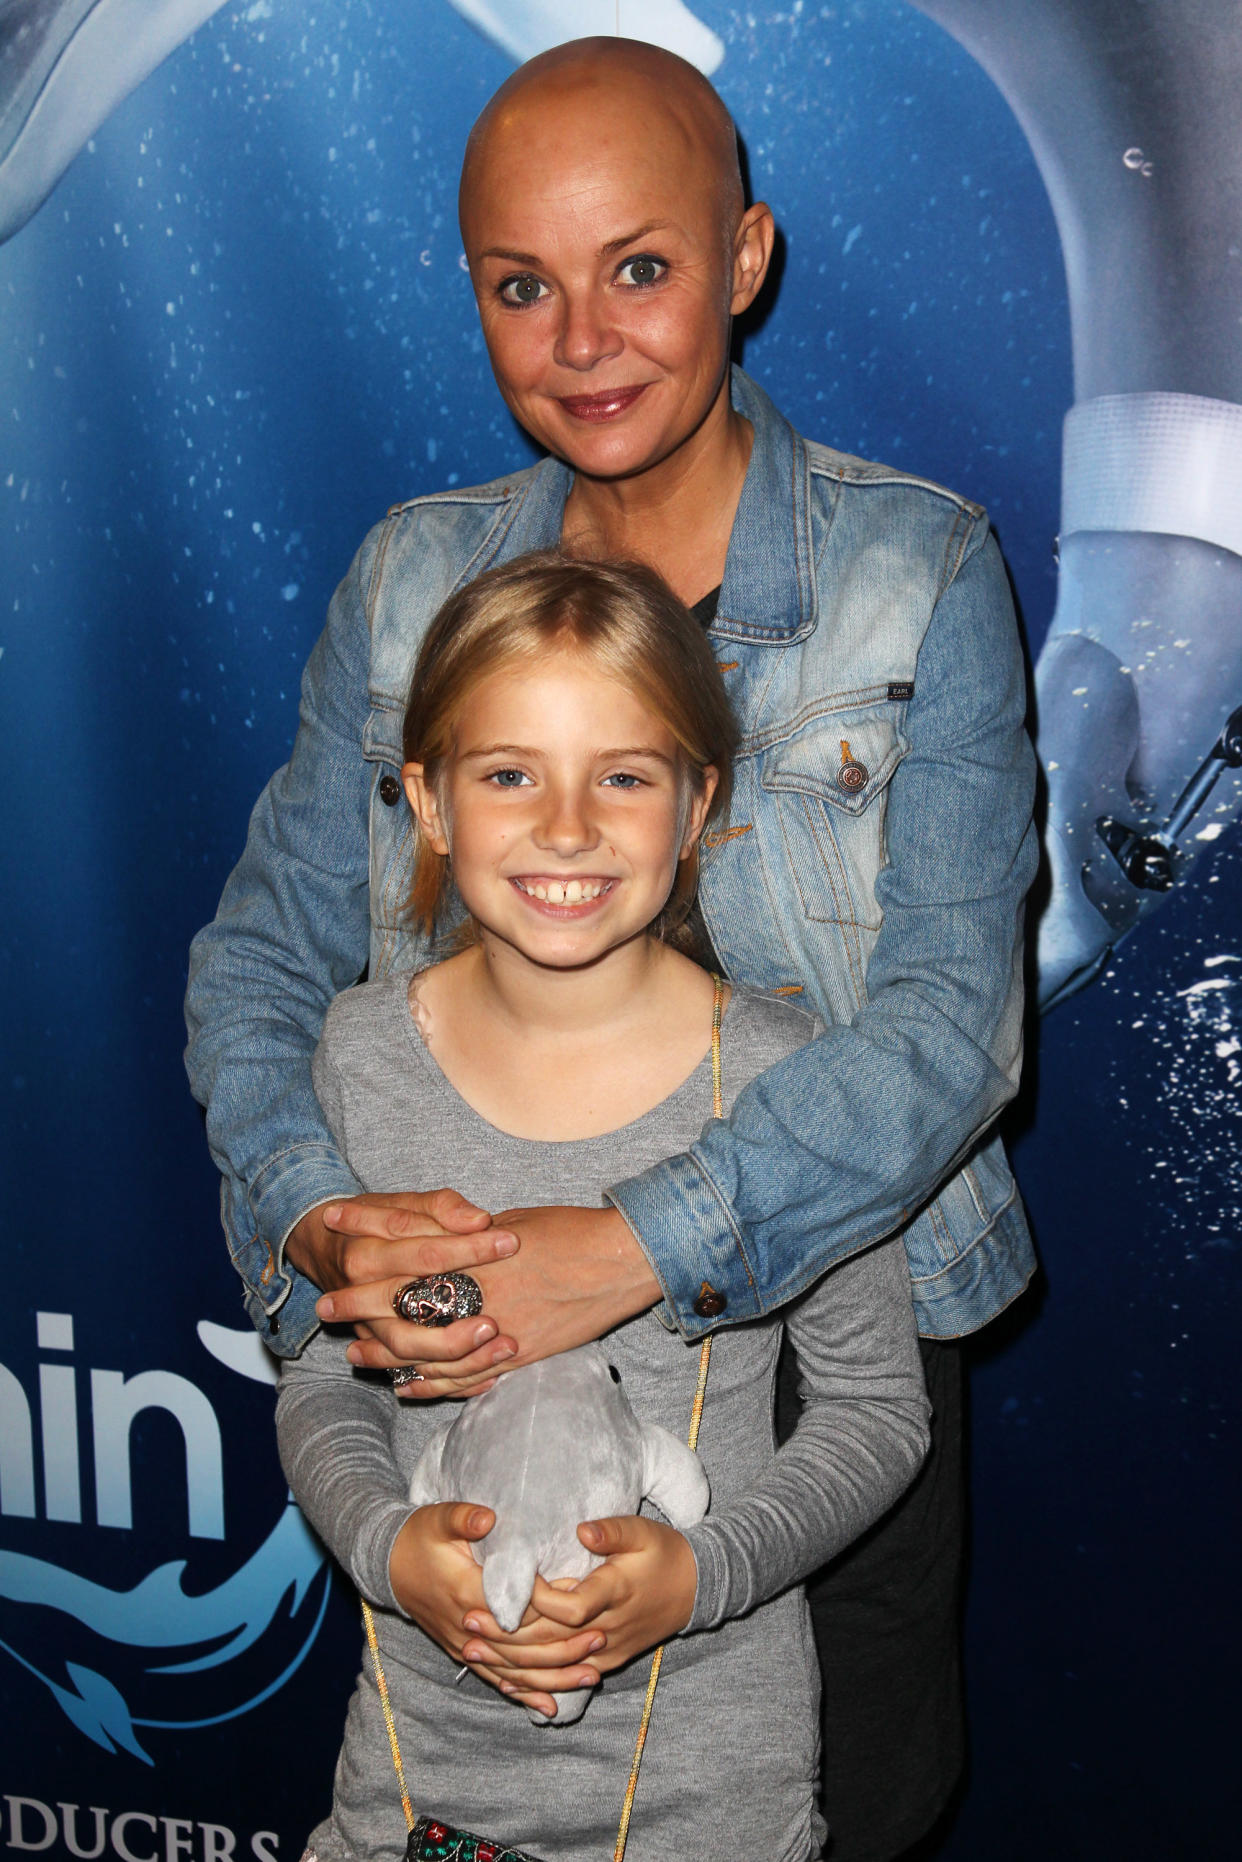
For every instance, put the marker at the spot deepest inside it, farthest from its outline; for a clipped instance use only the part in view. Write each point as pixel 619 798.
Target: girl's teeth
pixel 563 892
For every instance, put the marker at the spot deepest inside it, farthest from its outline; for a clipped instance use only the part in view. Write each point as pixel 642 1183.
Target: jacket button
pixel 710 1304
pixel 390 791
pixel 852 776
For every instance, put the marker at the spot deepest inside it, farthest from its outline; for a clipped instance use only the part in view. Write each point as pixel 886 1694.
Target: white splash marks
pixel 1195 1139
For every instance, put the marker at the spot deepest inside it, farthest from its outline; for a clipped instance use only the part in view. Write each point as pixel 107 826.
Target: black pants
pixel 887 1618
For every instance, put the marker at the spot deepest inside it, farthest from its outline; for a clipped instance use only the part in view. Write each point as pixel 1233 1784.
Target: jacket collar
pixel 768 592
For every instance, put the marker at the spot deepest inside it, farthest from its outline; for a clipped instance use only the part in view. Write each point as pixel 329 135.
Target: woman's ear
pixel 700 808
pixel 752 254
pixel 424 807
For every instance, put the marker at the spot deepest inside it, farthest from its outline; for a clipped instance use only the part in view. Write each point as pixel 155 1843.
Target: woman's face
pixel 606 269
pixel 565 809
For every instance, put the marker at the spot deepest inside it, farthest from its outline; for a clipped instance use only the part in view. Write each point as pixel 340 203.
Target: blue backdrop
pixel 239 330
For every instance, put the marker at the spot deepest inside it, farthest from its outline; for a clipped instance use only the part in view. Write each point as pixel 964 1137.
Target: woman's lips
pixel 604 406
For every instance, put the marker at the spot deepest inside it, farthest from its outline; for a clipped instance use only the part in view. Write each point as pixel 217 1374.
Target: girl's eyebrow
pixel 626 753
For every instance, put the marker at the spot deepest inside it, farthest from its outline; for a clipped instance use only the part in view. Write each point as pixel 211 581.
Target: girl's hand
pixel 436 1580
pixel 640 1596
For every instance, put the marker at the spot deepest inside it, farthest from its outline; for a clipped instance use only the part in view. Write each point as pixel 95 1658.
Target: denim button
pixel 710 1304
pixel 390 791
pixel 852 776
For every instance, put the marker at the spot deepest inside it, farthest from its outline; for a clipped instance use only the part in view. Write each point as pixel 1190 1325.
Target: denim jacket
pixel 874 865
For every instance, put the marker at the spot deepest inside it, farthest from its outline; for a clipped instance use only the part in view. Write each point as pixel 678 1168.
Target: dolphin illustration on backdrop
pixel 1132 117
pixel 65 65
pixel 1130 114
pixel 188 1633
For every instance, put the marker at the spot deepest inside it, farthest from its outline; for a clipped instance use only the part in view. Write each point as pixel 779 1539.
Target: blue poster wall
pixel 238 330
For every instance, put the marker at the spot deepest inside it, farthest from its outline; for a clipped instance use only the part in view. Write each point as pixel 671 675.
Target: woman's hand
pixel 362 1250
pixel 437 1581
pixel 641 1595
pixel 578 1273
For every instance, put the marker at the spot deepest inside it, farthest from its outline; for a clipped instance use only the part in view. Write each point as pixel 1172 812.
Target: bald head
pixel 617 96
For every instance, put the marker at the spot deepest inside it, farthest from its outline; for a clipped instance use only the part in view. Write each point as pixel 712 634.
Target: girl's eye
pixel 622 779
pixel 643 269
pixel 523 288
pixel 507 778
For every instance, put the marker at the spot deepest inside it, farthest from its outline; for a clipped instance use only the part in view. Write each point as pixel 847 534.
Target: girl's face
pixel 565 809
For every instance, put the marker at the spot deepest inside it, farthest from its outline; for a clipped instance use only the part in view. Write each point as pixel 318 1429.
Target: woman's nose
pixel 586 336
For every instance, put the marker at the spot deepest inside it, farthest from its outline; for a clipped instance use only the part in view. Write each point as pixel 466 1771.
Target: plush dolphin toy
pixel 549 1446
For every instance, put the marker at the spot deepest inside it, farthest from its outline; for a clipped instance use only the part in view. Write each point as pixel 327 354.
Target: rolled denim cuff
pixel 279 1300
pixel 696 1250
pixel 287 1329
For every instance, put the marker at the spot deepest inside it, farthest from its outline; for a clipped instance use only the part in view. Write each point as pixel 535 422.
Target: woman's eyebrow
pixel 628 239
pixel 513 257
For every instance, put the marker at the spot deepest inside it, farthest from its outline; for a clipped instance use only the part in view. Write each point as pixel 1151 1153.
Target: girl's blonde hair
pixel 625 621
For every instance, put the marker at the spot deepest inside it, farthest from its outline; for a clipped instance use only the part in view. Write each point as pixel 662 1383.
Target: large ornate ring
pixel 438 1299
pixel 402 1374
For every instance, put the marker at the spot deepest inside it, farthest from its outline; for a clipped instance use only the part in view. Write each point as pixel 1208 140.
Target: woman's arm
pixel 293 930
pixel 833 1148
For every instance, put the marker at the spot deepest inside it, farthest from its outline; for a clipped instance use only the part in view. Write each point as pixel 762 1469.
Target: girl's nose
pixel 586 336
pixel 565 826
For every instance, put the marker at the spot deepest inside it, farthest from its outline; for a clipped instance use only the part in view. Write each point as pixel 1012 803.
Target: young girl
pixel 567 742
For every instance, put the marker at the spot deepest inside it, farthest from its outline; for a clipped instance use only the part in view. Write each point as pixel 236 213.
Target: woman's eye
pixel 642 269
pixel 522 289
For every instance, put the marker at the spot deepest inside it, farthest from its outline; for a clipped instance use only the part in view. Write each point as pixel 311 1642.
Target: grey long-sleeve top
pixel 733 1753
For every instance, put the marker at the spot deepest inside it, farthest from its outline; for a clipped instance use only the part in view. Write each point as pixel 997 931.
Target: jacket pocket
pixel 832 783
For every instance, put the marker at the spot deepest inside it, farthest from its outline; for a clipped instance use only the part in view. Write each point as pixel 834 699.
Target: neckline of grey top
pixel 692 1086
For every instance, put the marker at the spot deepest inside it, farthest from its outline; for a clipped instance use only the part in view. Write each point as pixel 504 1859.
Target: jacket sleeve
pixel 860 1440
pixel 836 1146
pixel 292 930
